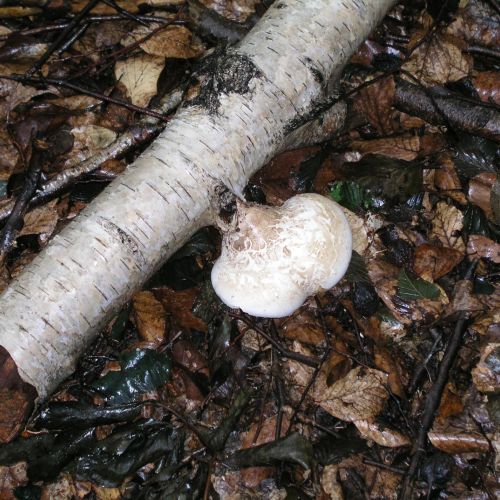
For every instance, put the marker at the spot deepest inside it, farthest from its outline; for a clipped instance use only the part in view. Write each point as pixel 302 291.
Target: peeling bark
pixel 53 310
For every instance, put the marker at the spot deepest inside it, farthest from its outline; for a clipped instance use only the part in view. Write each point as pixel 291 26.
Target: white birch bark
pixel 52 311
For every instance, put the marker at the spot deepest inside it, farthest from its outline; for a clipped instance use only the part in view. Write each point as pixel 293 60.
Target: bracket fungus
pixel 276 257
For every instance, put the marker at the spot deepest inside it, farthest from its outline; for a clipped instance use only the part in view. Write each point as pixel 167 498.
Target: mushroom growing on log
pixel 255 95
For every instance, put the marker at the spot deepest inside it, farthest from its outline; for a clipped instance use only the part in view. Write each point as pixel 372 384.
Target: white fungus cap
pixel 278 256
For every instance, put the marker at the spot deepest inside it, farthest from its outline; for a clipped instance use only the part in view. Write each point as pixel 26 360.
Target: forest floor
pixel 385 386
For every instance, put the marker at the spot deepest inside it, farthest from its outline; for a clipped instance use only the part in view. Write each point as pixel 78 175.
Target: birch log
pixel 249 102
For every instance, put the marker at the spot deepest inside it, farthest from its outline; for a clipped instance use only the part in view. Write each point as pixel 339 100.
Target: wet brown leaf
pixel 480 191
pixel 374 102
pixel 186 393
pixel 381 434
pixel 387 361
pixel 168 42
pixel 439 60
pixel 446 177
pixel 89 140
pixel 9 156
pixel 432 262
pixel 459 442
pixel 479 246
pixel 486 85
pixel 360 395
pixel 451 403
pixel 139 75
pixel 102 8
pixel 150 317
pixel 486 375
pixel 447 225
pixel 401 148
pixel 302 326
pixel 184 353
pixel 179 306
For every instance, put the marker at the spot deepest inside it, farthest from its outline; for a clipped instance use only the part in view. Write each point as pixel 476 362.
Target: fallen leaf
pixel 459 442
pixel 480 191
pixel 179 306
pixel 401 148
pixel 42 221
pixel 381 434
pixel 410 289
pixel 10 478
pixel 374 102
pixel 360 395
pixel 330 484
pixel 446 177
pixel 150 317
pixel 89 140
pixel 302 326
pixel 234 10
pixel 486 374
pixel 168 42
pixel 387 361
pixel 140 75
pixel 105 9
pixel 439 60
pixel 186 355
pixel 486 85
pixel 447 225
pixel 432 262
pixel 483 247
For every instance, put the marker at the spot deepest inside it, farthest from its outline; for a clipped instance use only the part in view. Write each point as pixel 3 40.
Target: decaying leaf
pixel 88 140
pixel 480 191
pixel 235 10
pixel 459 442
pixel 150 317
pixel 432 262
pixel 330 484
pixel 447 225
pixel 360 395
pixel 486 375
pixel 302 326
pixel 167 41
pixel 381 434
pixel 439 60
pixel 482 247
pixel 139 75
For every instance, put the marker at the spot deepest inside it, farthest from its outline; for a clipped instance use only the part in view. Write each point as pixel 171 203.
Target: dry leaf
pixel 41 220
pixel 106 493
pixel 459 442
pixel 105 9
pixel 330 484
pixel 385 278
pixel 446 177
pixel 479 246
pixel 179 305
pixel 89 140
pixel 374 102
pixel 150 317
pixel 11 477
pixel 447 226
pixel 486 375
pixel 438 61
pixel 387 361
pixel 9 156
pixel 63 488
pixel 480 191
pixel 139 75
pixel 381 434
pixel 234 10
pixel 168 41
pixel 431 262
pixel 360 395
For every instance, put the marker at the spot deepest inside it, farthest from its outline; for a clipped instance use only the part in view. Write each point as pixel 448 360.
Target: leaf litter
pixel 180 397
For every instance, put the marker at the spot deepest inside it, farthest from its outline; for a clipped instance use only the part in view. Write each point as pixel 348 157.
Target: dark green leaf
pixel 200 243
pixel 142 370
pixel 482 286
pixel 475 222
pixel 22 449
pixel 3 189
pixel 385 178
pixel 349 194
pixel 77 414
pixel 303 180
pixel 331 450
pixel 357 271
pixel 293 448
pixel 495 200
pixel 217 439
pixel 66 446
pixel 474 154
pixel 207 304
pixel 28 492
pixel 415 288
pixel 111 460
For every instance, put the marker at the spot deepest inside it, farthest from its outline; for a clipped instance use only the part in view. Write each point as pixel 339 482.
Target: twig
pixel 82 90
pixel 434 398
pixel 9 231
pixel 62 36
pixel 296 356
